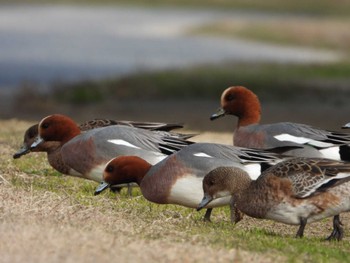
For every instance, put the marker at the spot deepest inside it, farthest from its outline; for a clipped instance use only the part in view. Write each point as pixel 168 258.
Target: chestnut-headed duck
pixel 296 191
pixel 312 142
pixel 32 132
pixel 85 154
pixel 178 178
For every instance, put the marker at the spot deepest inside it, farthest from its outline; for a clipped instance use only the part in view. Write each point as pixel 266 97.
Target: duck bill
pixel 99 189
pixel 23 151
pixel 205 201
pixel 38 140
pixel 346 126
pixel 219 113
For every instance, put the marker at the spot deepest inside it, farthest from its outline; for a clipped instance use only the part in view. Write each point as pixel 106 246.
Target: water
pixel 47 43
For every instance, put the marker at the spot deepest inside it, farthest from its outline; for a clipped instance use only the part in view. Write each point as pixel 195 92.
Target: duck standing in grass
pixel 310 142
pixel 32 133
pixel 52 148
pixel 178 178
pixel 84 154
pixel 296 191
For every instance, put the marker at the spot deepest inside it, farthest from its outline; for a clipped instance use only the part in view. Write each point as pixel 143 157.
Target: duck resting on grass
pixel 296 191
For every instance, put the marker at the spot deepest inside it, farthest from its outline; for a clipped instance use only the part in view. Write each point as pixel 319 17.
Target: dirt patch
pixel 49 228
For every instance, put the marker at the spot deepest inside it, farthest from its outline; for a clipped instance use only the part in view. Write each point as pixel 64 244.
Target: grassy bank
pixel 33 192
pixel 269 81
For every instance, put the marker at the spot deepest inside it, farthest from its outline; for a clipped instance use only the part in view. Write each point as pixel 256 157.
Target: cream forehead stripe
pixel 44 120
pixel 224 93
pixel 122 142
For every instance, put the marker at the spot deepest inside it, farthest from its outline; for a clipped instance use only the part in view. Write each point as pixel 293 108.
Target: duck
pixel 295 191
pixel 177 179
pixel 308 141
pixel 84 154
pixel 29 137
pixel 32 132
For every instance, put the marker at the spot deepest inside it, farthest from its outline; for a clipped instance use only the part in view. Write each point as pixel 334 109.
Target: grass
pixel 269 81
pixel 52 195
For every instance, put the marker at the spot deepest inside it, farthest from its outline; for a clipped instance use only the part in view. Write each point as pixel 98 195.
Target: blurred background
pixel 170 60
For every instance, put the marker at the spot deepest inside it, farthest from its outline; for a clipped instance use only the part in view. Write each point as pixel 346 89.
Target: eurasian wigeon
pixel 296 191
pixel 85 154
pixel 32 132
pixel 29 137
pixel 312 142
pixel 178 178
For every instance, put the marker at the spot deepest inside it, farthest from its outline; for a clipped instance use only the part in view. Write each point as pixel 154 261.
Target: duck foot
pixel 207 215
pixel 300 232
pixel 338 231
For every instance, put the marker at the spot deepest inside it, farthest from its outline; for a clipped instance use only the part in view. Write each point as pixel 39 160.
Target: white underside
pixel 289 214
pixel 73 172
pixel 188 191
pixel 96 174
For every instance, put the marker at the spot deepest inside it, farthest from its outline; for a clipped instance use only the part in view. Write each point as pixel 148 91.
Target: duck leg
pixel 129 190
pixel 236 214
pixel 300 232
pixel 207 215
pixel 338 231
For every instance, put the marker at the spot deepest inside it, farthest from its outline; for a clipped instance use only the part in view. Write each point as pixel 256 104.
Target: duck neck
pixel 252 199
pixel 239 184
pixel 132 169
pixel 140 171
pixel 250 114
pixel 70 134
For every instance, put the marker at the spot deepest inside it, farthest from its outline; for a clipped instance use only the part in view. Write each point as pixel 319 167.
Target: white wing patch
pixel 302 140
pixel 202 155
pixel 254 170
pixel 125 143
pixel 331 153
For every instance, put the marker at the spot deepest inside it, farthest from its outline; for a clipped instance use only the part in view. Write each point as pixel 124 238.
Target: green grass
pixel 269 81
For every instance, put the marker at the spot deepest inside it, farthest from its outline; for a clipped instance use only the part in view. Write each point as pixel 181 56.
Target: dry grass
pixel 42 226
pixel 50 218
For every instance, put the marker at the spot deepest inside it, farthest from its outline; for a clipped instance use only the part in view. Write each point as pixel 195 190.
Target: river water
pixel 46 43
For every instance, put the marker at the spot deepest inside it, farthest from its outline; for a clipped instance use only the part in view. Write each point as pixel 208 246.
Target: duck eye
pixel 109 169
pixel 230 97
pixel 211 181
